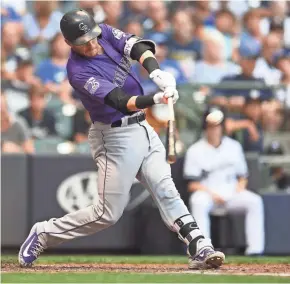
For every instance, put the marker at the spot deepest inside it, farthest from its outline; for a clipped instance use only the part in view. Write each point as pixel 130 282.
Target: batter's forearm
pixel 124 103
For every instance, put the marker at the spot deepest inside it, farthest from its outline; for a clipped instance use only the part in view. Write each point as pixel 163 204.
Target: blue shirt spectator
pixel 183 47
pixel 48 71
pixel 249 53
pixel 38 35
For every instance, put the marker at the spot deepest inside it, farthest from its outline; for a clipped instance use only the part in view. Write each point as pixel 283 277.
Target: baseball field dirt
pixel 101 269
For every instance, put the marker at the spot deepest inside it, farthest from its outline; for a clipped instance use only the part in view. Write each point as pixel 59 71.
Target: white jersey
pixel 216 168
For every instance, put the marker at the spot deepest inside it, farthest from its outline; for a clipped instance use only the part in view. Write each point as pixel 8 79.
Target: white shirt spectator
pixel 212 74
pixel 271 75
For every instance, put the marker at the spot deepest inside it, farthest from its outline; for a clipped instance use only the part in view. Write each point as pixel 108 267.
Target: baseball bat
pixel 170 138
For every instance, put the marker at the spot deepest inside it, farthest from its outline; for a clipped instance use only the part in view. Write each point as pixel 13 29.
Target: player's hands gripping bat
pixel 170 96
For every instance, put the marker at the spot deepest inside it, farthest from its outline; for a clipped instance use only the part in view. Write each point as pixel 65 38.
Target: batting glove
pixel 162 97
pixel 163 79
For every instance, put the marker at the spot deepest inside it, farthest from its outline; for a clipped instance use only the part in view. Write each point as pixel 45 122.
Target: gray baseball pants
pixel 121 154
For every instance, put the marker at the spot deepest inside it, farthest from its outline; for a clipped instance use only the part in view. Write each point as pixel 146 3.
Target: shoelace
pixel 37 250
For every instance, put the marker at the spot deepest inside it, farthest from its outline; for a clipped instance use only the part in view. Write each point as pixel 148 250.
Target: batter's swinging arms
pixel 123 144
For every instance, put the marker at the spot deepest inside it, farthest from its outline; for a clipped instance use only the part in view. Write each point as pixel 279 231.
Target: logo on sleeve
pixel 117 33
pixel 92 85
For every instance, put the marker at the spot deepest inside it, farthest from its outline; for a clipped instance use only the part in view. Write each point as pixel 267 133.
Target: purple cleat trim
pixel 30 249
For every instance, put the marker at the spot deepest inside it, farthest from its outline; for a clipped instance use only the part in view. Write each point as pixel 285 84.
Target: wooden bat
pixel 170 138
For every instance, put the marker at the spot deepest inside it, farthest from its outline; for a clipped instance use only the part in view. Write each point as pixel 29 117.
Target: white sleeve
pixel 241 166
pixel 191 168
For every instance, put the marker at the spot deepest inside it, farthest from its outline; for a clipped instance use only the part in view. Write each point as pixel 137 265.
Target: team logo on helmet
pixel 84 27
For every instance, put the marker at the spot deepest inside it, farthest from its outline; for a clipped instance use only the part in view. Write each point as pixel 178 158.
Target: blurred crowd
pixel 210 44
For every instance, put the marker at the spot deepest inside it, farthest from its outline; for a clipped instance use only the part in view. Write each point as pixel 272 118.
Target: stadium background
pixel 203 43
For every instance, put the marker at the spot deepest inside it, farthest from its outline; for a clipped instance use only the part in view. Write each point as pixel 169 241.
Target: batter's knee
pixel 107 213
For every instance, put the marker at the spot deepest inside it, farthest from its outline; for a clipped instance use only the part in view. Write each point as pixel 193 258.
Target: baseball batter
pixel 123 144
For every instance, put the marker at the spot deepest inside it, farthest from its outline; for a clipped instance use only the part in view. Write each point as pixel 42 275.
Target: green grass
pixel 134 278
pixel 115 277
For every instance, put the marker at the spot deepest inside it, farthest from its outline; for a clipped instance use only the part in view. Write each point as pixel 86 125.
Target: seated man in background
pixel 217 172
pixel 40 120
pixel 15 135
pixel 247 126
pixel 233 98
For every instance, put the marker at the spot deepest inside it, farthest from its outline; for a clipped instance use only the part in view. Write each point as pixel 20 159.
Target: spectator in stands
pixel 280 177
pixel 95 9
pixel 281 60
pixel 134 27
pixel 16 89
pixel 136 10
pixel 11 37
pixel 278 21
pixel 218 180
pixel 198 28
pixel 252 27
pixel 41 26
pixel 15 135
pixel 203 11
pixel 81 125
pixel 264 66
pixel 52 71
pixel 40 120
pixel 234 98
pixel 226 23
pixel 170 65
pixel 183 47
pixel 157 21
pixel 113 11
pixel 213 66
pixel 252 111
